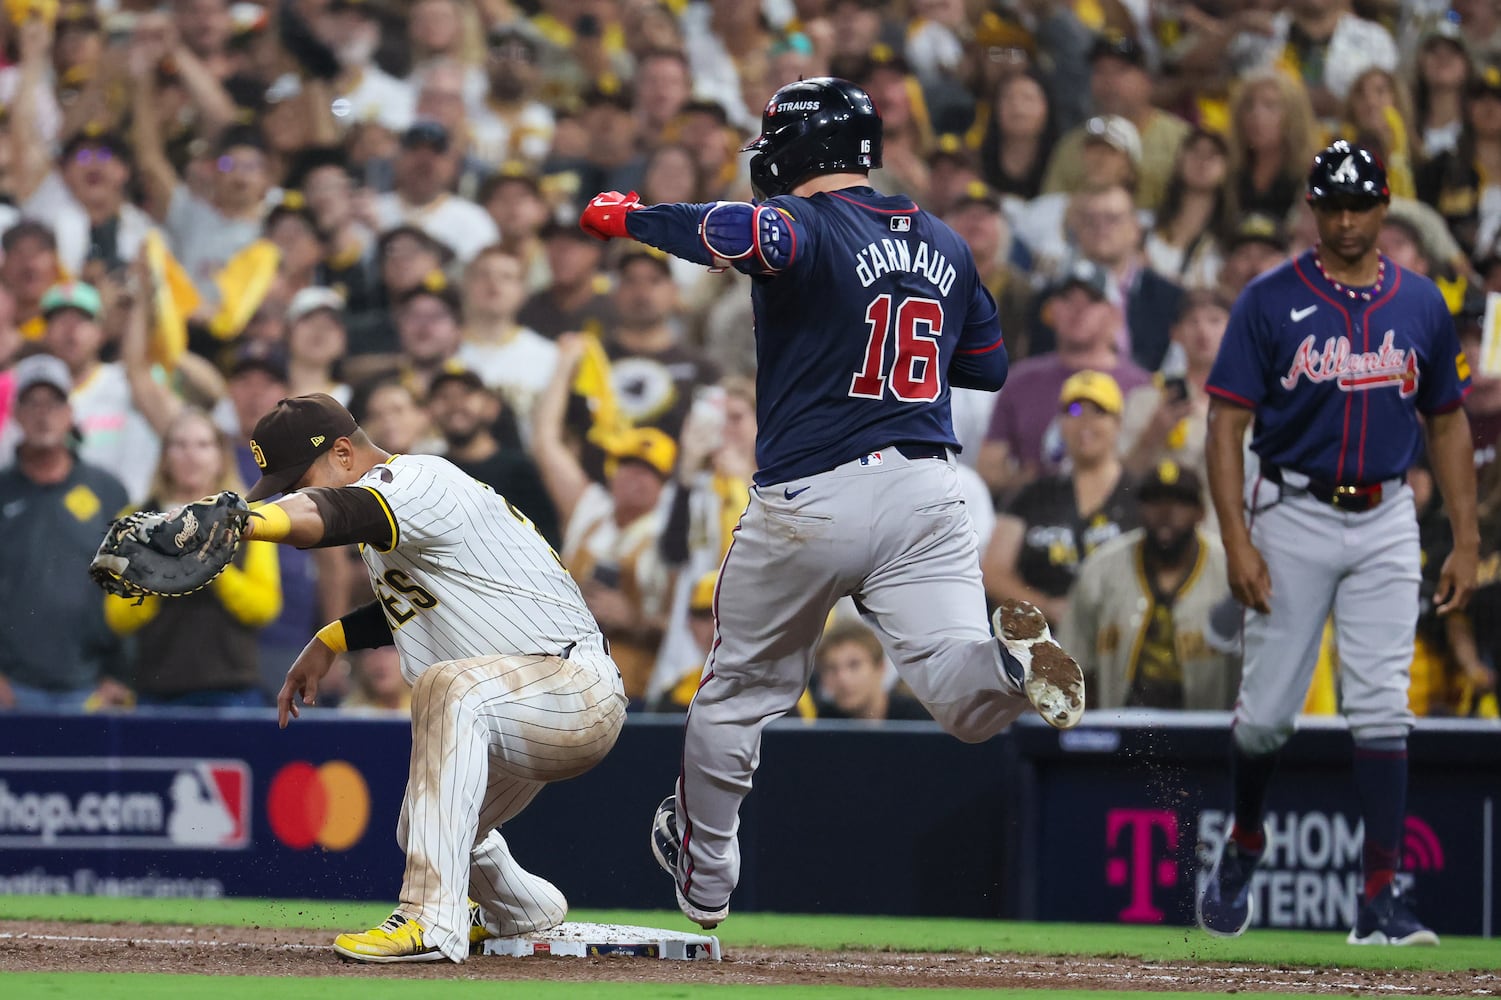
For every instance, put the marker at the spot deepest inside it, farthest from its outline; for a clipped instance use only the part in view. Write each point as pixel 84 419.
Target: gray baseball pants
pixel 894 534
pixel 1364 567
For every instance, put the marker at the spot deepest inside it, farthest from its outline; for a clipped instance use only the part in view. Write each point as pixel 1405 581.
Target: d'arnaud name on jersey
pixel 898 255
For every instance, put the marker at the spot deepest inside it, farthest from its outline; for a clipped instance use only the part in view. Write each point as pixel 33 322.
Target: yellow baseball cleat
pixel 396 940
pixel 478 932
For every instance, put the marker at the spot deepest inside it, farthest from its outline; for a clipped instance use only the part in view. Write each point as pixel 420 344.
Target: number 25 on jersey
pixel 917 323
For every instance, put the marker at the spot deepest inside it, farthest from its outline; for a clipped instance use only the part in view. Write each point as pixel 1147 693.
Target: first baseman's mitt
pixel 171 553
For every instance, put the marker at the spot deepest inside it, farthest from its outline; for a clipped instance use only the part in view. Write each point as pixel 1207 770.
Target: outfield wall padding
pixel 1102 823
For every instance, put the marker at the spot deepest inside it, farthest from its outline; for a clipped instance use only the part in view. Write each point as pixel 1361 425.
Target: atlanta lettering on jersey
pixel 1355 371
pixel 897 255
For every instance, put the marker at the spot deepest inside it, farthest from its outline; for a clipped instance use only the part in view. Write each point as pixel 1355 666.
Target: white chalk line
pixel 163 942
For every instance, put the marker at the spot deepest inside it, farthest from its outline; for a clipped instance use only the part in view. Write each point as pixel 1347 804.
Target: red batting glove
pixel 604 216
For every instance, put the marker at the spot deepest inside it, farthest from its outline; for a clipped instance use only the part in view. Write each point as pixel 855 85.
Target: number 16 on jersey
pixel 917 323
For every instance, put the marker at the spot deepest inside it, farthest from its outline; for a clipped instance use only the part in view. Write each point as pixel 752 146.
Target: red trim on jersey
pixel 1344 440
pixel 999 341
pixel 1365 345
pixel 872 208
pixel 1233 397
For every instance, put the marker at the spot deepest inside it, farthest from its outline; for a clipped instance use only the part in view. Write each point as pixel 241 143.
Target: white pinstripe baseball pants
pixel 487 734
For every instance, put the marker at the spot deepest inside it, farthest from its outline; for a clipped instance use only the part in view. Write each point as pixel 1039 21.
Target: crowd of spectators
pixel 206 206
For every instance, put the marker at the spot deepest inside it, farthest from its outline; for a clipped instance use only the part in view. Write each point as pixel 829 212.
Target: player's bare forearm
pixel 295 520
pixel 1224 459
pixel 1452 456
pixel 1245 569
pixel 1453 461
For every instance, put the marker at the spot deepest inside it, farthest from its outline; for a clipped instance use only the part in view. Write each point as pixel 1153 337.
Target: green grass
pixel 1294 948
pixel 105 986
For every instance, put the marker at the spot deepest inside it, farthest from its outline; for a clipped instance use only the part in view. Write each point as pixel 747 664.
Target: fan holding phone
pixel 1166 420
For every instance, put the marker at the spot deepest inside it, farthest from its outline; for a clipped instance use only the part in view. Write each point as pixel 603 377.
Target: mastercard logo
pixel 327 805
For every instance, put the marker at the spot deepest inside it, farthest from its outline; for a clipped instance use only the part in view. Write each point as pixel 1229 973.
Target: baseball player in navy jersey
pixel 512 684
pixel 1344 362
pixel 868 311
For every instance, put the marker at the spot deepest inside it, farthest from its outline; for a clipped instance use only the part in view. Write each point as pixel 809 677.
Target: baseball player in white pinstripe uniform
pixel 512 685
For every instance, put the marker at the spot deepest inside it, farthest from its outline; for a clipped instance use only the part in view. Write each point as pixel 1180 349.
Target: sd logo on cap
pixel 289 439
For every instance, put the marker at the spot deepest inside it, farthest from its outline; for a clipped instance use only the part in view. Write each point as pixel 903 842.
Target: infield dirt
pixel 44 946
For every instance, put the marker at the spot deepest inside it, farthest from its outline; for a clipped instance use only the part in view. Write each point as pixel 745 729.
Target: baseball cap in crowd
pixel 1257 228
pixel 456 373
pixel 290 438
pixel 426 133
pixel 1116 45
pixel 313 298
pixel 951 146
pixel 1117 132
pixel 646 445
pixel 78 15
pixel 978 193
pixel 1092 387
pixel 516 32
pixel 436 247
pixel 703 104
pixel 435 286
pixel 259 356
pixel 42 369
pixel 509 172
pixel 1486 81
pixel 609 92
pixel 1443 29
pixel 1085 274
pixel 1170 481
pixel 72 295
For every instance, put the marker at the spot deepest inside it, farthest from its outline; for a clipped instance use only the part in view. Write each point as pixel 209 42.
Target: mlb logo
pixel 901 223
pixel 874 458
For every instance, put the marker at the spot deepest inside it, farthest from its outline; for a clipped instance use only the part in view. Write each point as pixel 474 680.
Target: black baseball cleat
pixel 1388 919
pixel 1046 674
pixel 1225 906
pixel 667 848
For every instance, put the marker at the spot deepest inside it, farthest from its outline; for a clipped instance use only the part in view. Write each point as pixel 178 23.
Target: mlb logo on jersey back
pixel 901 223
pixel 874 458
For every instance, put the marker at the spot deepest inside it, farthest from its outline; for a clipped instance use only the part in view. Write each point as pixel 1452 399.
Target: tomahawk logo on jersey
pixel 929 323
pixel 1354 366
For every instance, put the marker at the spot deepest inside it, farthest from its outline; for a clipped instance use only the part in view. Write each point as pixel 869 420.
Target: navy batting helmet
pixel 819 126
pixel 1350 171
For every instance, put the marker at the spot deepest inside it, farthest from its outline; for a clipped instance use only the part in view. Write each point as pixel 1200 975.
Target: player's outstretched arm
pixel 1224 456
pixel 1453 458
pixel 754 239
pixel 292 520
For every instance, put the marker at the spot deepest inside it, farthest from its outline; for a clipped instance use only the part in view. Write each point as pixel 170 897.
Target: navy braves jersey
pixel 873 312
pixel 1337 383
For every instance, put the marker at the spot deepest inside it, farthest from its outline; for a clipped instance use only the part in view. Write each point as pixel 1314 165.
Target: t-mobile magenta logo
pixel 1146 839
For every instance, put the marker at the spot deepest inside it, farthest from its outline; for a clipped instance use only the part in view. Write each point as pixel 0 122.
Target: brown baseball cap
pixel 290 438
